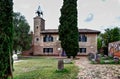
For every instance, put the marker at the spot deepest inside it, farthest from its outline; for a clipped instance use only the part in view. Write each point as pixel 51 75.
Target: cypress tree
pixel 6 38
pixel 68 30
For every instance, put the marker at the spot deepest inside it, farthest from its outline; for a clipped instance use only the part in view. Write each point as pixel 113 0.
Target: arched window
pixel 48 38
pixel 82 38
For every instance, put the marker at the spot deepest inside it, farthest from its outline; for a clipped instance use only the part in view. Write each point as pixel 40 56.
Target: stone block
pixel 67 61
pixel 60 65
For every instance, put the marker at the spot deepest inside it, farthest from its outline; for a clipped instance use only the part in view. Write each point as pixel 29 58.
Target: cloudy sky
pixel 92 14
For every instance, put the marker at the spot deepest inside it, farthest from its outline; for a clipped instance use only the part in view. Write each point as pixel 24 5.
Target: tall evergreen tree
pixel 68 30
pixel 6 38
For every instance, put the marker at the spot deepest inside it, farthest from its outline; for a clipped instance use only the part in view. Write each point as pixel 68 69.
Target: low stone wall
pixel 117 54
pixel 27 53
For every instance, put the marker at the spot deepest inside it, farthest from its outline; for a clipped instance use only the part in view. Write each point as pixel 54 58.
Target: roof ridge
pixel 80 31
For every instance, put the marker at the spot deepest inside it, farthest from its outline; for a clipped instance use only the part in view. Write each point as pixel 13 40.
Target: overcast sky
pixel 92 14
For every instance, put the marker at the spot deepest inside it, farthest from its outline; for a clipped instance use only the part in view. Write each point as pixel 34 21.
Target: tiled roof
pixel 50 31
pixel 89 31
pixel 85 31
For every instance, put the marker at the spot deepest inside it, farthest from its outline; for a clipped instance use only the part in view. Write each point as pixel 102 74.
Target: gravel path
pixel 91 71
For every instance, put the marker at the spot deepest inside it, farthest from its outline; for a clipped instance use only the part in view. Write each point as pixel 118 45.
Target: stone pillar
pixel 60 65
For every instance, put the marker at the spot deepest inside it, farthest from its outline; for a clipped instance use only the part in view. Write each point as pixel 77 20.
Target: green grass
pixel 43 68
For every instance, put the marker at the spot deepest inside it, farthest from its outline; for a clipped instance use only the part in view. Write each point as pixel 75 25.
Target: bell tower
pixel 39 25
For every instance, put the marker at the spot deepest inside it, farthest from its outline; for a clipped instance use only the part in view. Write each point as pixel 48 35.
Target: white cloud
pixel 89 18
pixel 119 1
pixel 104 12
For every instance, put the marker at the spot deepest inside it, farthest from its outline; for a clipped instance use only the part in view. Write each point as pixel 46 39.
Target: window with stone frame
pixel 48 38
pixel 82 38
pixel 47 50
pixel 82 50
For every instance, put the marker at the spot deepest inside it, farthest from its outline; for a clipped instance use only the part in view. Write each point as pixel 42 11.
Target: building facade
pixel 46 41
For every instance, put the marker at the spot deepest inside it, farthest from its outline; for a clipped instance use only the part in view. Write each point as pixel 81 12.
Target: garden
pixel 103 59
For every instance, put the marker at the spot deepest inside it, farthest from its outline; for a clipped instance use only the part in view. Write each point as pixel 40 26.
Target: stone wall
pixel 38 49
pixel 114 48
pixel 90 45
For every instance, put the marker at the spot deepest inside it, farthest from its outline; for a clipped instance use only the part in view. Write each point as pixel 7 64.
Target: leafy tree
pixel 115 34
pixel 110 35
pixel 6 38
pixel 68 30
pixel 22 38
pixel 99 43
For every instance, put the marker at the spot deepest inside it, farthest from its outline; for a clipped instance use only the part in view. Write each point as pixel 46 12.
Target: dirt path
pixel 91 71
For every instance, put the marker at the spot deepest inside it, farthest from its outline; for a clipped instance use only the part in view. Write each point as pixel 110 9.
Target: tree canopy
pixel 68 30
pixel 22 37
pixel 110 35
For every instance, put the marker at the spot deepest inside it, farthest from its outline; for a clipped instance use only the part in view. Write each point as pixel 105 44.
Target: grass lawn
pixel 43 68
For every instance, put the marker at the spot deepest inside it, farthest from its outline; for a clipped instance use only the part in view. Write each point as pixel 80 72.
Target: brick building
pixel 46 41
